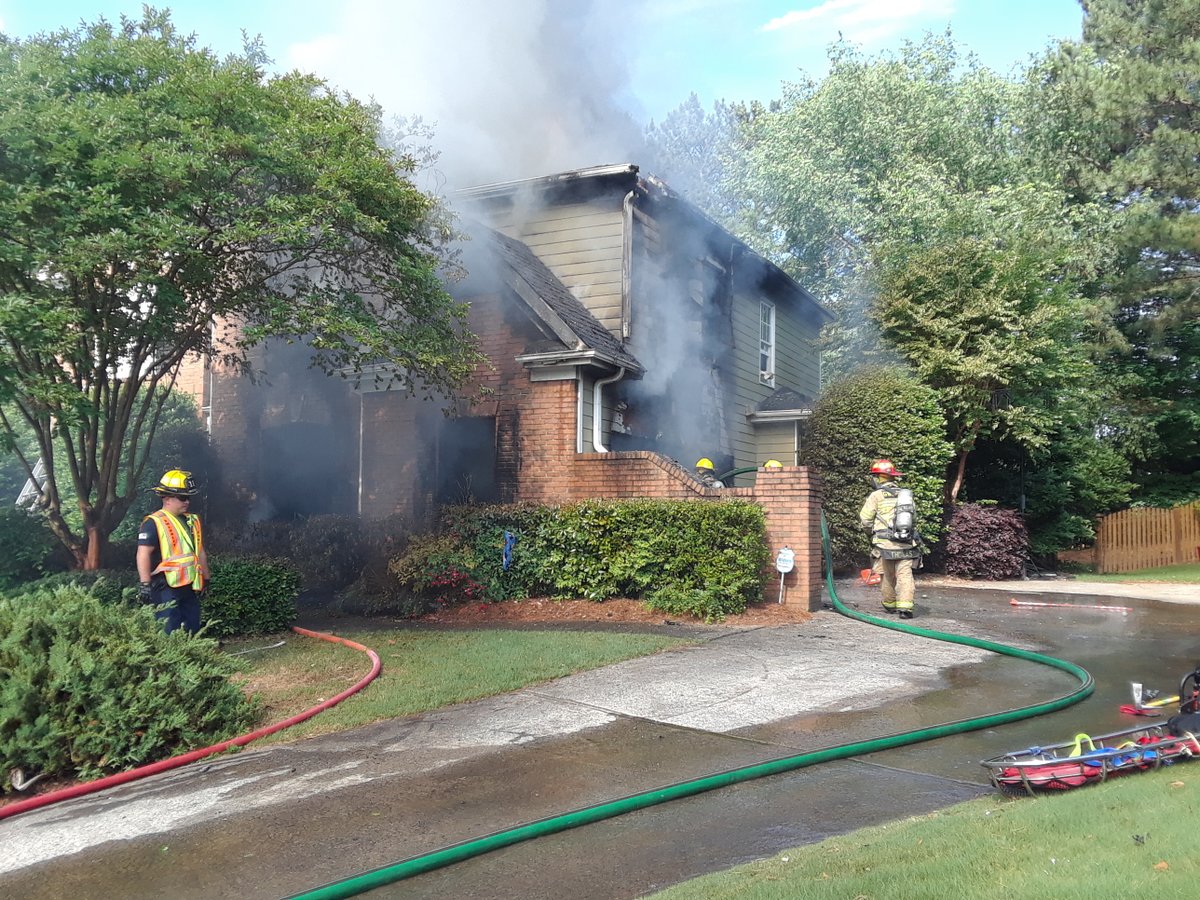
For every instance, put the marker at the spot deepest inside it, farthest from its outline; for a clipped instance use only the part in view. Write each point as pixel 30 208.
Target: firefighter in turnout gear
pixel 889 514
pixel 171 563
pixel 707 473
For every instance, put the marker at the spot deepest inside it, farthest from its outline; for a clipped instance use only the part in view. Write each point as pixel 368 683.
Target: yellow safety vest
pixel 180 548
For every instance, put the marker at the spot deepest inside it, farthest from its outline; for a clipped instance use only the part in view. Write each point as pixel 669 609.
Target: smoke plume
pixel 513 90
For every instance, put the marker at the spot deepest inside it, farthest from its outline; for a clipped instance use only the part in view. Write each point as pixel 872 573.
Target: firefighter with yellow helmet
pixel 171 563
pixel 890 515
pixel 707 473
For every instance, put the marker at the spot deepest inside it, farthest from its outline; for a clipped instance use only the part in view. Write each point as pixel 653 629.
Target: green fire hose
pixel 478 846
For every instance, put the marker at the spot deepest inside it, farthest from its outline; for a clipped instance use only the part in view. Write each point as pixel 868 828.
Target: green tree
pixel 900 191
pixel 1118 115
pixel 150 190
pixel 696 151
pixel 1060 489
pixel 877 412
pixel 995 333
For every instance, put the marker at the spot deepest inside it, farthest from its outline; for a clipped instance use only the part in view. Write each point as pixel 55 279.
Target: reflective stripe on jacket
pixel 180 548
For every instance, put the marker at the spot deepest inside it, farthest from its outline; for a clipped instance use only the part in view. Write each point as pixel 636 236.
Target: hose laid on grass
pixel 464 850
pixel 164 765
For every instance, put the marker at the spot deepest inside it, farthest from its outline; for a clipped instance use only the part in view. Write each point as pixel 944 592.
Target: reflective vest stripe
pixel 180 548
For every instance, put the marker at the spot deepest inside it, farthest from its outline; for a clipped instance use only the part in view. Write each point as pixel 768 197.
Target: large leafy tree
pixel 697 150
pixel 1118 115
pixel 899 189
pixel 149 189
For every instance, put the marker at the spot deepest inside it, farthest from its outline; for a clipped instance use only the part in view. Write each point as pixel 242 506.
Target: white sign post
pixel 785 561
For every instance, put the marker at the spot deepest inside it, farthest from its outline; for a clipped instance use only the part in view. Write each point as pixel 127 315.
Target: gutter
pixel 780 415
pixel 573 357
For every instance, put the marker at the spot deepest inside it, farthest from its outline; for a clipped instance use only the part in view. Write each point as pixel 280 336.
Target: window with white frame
pixel 766 342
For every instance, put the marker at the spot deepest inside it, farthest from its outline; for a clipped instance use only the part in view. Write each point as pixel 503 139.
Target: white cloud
pixel 866 21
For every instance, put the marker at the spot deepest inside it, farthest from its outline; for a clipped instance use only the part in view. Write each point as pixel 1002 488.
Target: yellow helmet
pixel 705 463
pixel 176 483
pixel 772 464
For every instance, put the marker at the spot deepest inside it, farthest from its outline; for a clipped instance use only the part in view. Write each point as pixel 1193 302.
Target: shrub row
pixel 247 595
pixel 681 557
pixel 88 688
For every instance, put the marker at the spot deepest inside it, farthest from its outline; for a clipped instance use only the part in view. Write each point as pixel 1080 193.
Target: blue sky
pixel 477 68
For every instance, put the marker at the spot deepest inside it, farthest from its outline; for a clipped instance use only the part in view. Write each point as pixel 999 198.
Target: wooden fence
pixel 1146 538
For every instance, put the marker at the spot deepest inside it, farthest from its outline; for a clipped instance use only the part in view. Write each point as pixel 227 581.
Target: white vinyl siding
pixel 776 440
pixel 581 243
pixel 797 367
pixel 585 386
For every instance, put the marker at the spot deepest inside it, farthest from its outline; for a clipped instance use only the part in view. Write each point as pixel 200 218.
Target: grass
pixel 1188 573
pixel 1131 838
pixel 421 670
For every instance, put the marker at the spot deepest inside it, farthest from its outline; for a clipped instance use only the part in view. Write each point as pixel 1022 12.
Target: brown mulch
pixel 610 611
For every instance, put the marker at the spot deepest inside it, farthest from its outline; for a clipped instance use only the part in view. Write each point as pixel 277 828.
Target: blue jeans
pixel 181 609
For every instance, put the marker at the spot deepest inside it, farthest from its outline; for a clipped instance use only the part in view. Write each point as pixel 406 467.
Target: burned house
pixel 627 335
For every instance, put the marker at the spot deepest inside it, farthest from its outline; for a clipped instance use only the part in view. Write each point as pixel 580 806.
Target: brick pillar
pixel 791 499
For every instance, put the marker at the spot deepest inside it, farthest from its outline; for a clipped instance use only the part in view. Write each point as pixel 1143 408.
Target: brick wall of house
pixel 536 458
pixel 193 380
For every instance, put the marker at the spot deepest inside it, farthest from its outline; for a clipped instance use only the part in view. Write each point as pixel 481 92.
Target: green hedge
pixel 873 413
pixel 89 688
pixel 248 595
pixel 681 557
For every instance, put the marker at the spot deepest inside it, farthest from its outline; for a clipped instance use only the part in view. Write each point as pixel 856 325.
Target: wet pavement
pixel 282 820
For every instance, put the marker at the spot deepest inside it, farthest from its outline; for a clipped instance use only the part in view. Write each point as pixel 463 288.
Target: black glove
pixel 144 592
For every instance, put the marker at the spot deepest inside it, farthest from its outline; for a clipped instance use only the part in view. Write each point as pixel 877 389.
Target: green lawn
pixel 1133 837
pixel 422 670
pixel 1189 573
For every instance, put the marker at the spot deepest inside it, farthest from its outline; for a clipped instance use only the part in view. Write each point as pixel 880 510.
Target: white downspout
pixel 579 409
pixel 598 409
pixel 627 266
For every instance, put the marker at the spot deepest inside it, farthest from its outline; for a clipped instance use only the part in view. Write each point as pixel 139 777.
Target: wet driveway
pixel 274 822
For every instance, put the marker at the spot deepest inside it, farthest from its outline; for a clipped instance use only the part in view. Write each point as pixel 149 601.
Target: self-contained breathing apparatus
pixel 897 512
pixel 903 524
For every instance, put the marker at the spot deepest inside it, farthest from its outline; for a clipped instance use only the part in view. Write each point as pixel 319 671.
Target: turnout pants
pixel 897 584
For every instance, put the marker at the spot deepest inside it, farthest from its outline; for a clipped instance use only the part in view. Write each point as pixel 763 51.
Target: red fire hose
pixel 164 765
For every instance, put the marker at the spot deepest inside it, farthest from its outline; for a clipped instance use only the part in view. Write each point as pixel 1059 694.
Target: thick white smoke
pixel 514 89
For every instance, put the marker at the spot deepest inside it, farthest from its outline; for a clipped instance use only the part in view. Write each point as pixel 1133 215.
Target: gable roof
pixel 624 177
pixel 783 405
pixel 551 303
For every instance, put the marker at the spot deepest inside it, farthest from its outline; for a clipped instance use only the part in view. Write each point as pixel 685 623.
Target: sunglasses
pixel 178 497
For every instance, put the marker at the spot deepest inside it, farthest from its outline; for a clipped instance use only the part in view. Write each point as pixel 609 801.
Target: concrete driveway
pixel 277 821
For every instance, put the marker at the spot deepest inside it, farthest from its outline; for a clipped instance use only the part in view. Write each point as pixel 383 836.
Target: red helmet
pixel 885 467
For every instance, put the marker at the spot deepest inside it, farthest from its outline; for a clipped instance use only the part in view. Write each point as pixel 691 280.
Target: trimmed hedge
pixel 682 557
pixel 873 413
pixel 247 595
pixel 250 596
pixel 89 688
pixel 986 542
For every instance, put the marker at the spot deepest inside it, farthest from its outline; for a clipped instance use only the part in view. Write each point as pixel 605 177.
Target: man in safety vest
pixel 890 517
pixel 171 562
